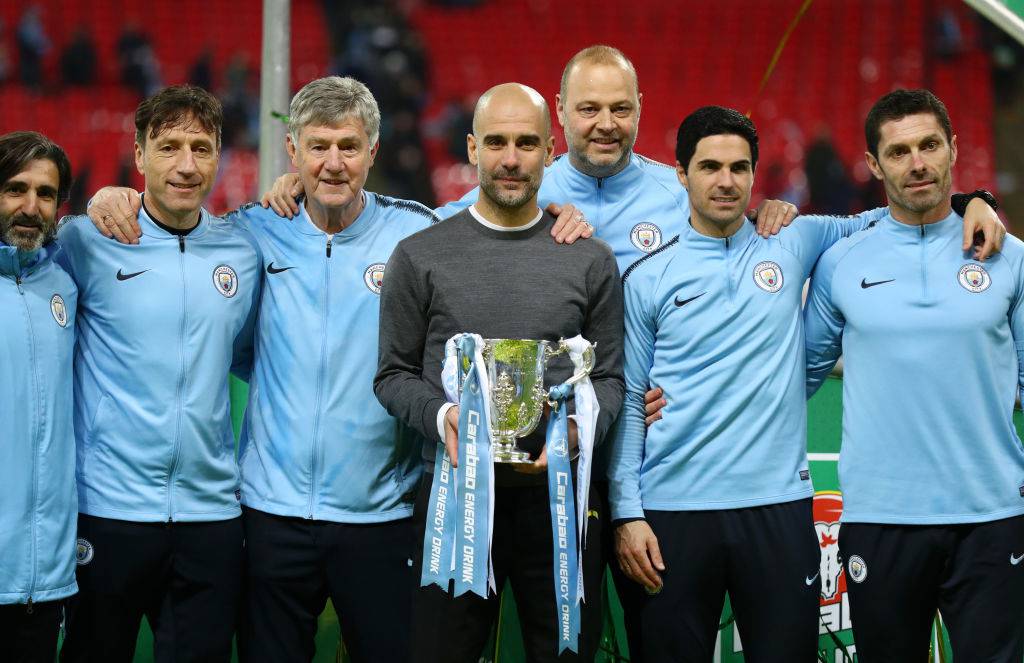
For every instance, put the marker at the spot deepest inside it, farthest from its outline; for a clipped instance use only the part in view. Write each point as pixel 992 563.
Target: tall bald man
pixel 492 270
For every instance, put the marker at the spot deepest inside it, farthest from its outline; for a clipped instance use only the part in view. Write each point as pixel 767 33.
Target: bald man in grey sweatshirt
pixel 493 270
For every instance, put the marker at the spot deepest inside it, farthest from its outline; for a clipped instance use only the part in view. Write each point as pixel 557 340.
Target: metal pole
pixel 274 89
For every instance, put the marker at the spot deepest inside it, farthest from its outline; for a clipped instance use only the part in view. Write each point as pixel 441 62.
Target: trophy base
pixel 509 453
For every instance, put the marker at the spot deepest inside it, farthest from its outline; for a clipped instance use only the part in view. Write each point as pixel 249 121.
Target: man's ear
pixel 681 174
pixel 471 148
pixel 873 166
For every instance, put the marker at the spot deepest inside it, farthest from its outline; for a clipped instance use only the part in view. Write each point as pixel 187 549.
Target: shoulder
pixel 408 211
pixel 427 238
pixel 848 246
pixel 75 233
pixel 654 263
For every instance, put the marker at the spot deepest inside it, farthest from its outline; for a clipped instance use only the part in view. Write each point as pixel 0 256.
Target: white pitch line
pixel 823 457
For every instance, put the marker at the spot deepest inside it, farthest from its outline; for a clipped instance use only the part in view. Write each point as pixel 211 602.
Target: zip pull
pixel 28 608
pixel 17 281
pixel 181 243
pixel 329 238
pixel 922 230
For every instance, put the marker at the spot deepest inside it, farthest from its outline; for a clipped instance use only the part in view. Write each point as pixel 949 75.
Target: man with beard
pixel 160 325
pixel 932 469
pixel 37 456
pixel 492 270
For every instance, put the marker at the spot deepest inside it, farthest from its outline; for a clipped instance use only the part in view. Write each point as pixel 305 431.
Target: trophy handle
pixel 588 366
pixel 588 360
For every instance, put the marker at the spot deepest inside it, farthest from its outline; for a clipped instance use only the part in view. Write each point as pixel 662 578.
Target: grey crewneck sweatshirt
pixel 461 276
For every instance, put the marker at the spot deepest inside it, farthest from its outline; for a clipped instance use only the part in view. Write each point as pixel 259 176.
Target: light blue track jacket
pixel 316 442
pixel 716 323
pixel 932 344
pixel 634 211
pixel 159 324
pixel 38 506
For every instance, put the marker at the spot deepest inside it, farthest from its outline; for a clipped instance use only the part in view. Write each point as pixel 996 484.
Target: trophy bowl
pixel 515 369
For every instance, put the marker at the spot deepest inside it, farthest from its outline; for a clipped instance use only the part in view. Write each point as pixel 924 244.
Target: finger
pixel 536 467
pixel 577 229
pixel 649 576
pixel 279 207
pixel 650 419
pixel 451 444
pixel 554 209
pixel 763 221
pixel 970 230
pixel 126 219
pixel 563 224
pixel 654 407
pixel 292 199
pixel 118 232
pixel 654 550
pixel 987 247
pixel 791 211
pixel 101 225
pixel 652 395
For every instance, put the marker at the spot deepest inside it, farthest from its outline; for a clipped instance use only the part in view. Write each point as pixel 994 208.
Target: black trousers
pixel 447 629
pixel 296 564
pixel 186 578
pixel 29 634
pixel 897 576
pixel 767 558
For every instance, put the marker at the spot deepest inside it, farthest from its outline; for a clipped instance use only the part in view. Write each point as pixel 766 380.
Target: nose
pixel 334 163
pixel 916 161
pixel 186 161
pixel 510 157
pixel 604 120
pixel 30 204
pixel 725 179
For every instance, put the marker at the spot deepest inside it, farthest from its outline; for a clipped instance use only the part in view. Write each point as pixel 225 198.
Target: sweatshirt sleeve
pixel 454 207
pixel 603 326
pixel 627 450
pixel 816 234
pixel 399 383
pixel 823 324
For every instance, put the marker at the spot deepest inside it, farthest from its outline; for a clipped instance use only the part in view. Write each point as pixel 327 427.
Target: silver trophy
pixel 515 369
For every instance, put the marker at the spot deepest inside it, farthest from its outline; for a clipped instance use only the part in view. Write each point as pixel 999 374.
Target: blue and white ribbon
pixel 460 528
pixel 568 526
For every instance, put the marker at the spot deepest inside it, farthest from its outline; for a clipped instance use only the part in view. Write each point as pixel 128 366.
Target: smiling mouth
pixel 184 187
pixel 335 182
pixel 920 185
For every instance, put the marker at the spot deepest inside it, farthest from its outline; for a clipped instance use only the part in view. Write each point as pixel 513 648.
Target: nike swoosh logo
pixel 810 581
pixel 684 302
pixel 1015 560
pixel 124 277
pixel 276 270
pixel 865 284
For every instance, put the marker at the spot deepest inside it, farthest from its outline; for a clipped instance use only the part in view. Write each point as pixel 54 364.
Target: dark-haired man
pixel 37 455
pixel 716 496
pixel 932 469
pixel 160 324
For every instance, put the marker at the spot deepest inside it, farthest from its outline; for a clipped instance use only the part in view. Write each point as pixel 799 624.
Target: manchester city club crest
pixel 645 236
pixel 857 568
pixel 373 277
pixel 974 278
pixel 768 276
pixel 83 552
pixel 60 312
pixel 226 280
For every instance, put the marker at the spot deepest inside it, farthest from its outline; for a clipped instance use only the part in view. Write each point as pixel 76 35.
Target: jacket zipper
pixel 924 255
pixel 35 444
pixel 175 446
pixel 320 382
